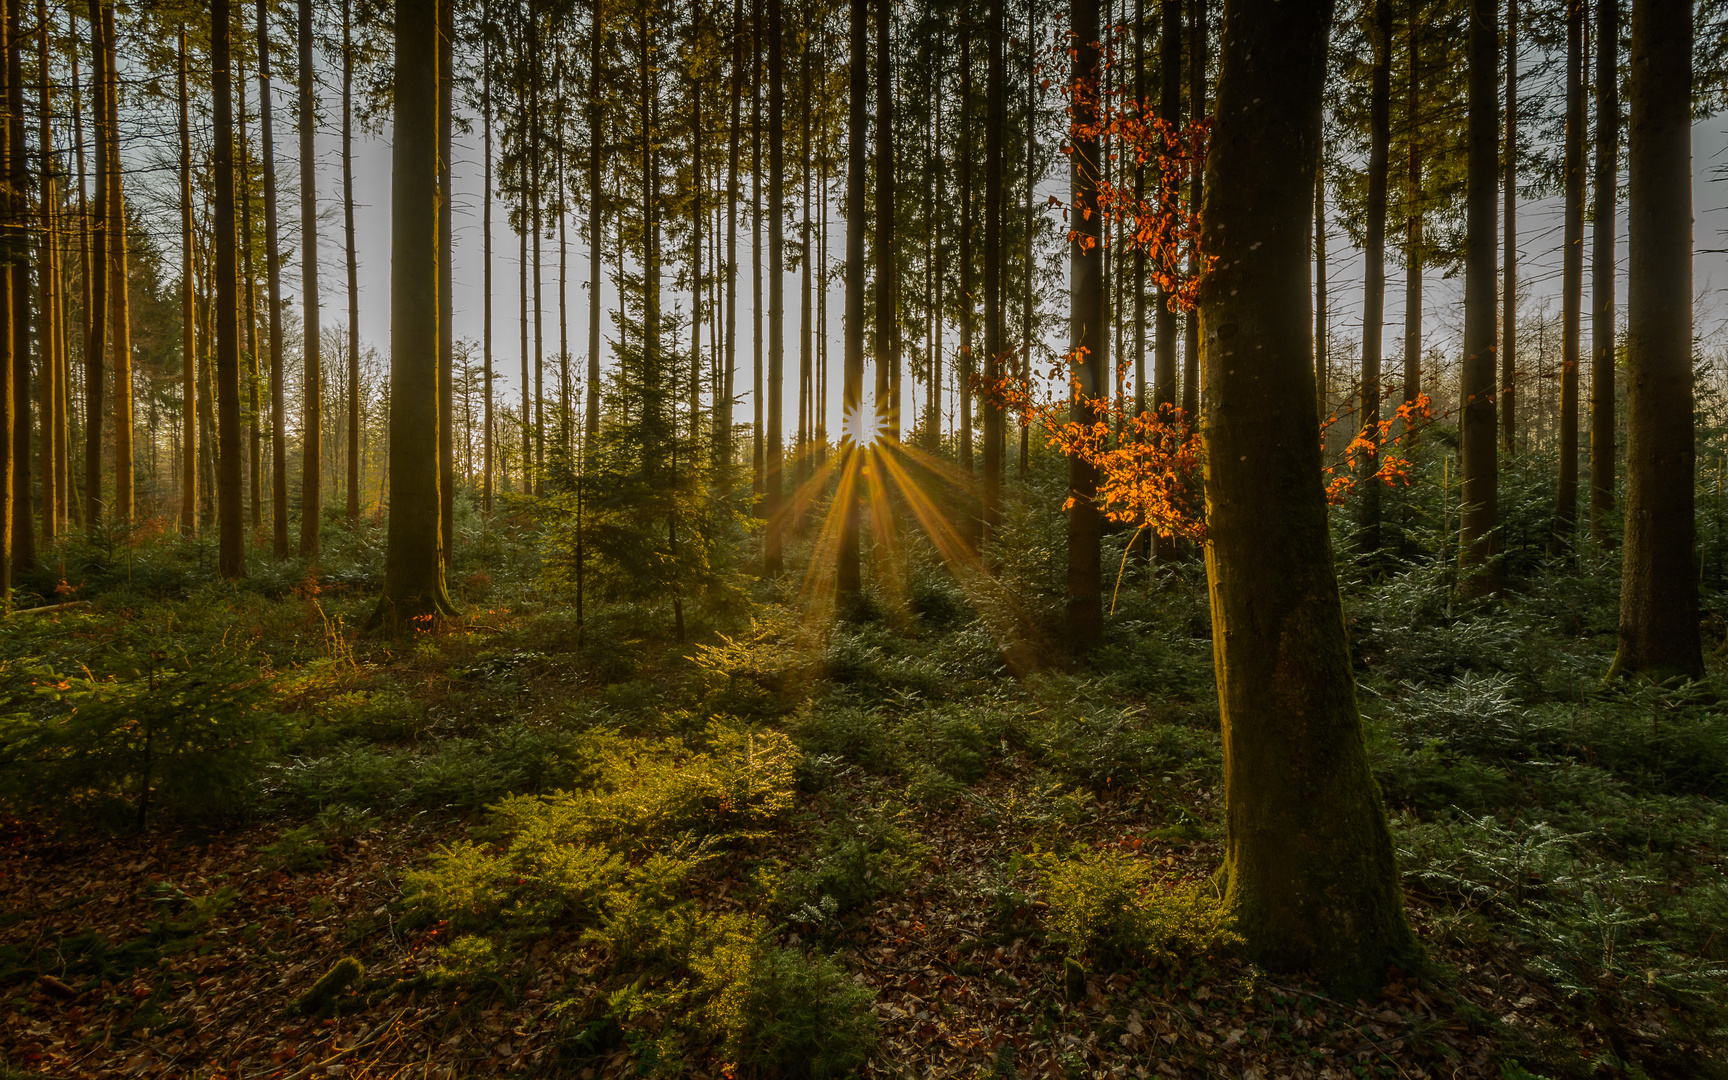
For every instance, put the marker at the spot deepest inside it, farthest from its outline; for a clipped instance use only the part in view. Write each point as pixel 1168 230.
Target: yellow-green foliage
pixel 464 962
pixel 1109 905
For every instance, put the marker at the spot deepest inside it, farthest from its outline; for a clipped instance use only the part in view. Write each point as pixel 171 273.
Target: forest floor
pixel 871 849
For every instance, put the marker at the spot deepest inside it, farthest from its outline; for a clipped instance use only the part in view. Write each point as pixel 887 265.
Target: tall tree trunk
pixel 1480 517
pixel 772 479
pixel 273 284
pixel 756 460
pixel 12 400
pixel 1197 37
pixel 23 518
pixel 1572 277
pixel 249 313
pixel 52 326
pixel 887 262
pixel 230 499
pixel 1659 585
pixel 1164 355
pixel 1322 360
pixel 596 229
pixel 1028 301
pixel 806 372
pixel 1413 215
pixel 119 305
pixel 1509 271
pixel 95 214
pixel 486 438
pixel 1602 419
pixel 1374 276
pixel 312 408
pixel 537 207
pixel 413 565
pixel 446 303
pixel 848 580
pixel 967 367
pixel 354 273
pixel 724 398
pixel 995 121
pixel 1309 868
pixel 1086 328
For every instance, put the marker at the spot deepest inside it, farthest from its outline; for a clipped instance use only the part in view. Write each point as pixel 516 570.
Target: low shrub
pixel 856 860
pixel 1111 907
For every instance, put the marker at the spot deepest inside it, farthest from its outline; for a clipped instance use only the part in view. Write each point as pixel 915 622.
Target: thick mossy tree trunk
pixel 1086 330
pixel 414 588
pixel 1659 585
pixel 1309 866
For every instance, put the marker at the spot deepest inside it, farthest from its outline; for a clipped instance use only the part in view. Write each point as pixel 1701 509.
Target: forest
pixel 880 538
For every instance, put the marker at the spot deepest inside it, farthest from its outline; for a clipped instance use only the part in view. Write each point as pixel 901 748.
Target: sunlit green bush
pixel 1111 907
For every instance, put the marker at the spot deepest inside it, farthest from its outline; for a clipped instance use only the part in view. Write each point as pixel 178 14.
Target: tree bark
pixel 12 400
pixel 446 303
pixel 887 262
pixel 414 591
pixel 1572 278
pixel 1659 584
pixel 1165 330
pixel 1196 110
pixel 1413 214
pixel 967 367
pixel 249 312
pixel 1478 541
pixel 95 214
pixel 848 578
pixel 1374 274
pixel 23 518
pixel 52 325
pixel 312 416
pixel 1322 361
pixel 1084 613
pixel 273 273
pixel 230 504
pixel 354 274
pixel 772 478
pixel 119 306
pixel 596 235
pixel 1309 868
pixel 1509 271
pixel 1602 418
pixel 995 120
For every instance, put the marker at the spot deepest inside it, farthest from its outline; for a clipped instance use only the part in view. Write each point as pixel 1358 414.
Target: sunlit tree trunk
pixel 1659 586
pixel 995 93
pixel 230 505
pixel 414 589
pixel 23 518
pixel 848 579
pixel 887 263
pixel 1309 869
pixel 1374 275
pixel 1572 277
pixel 1602 417
pixel 312 409
pixel 1086 327
pixel 756 403
pixel 1478 545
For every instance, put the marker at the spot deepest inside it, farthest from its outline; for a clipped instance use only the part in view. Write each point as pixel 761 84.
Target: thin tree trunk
pixel 773 481
pixel 596 229
pixel 414 589
pixel 537 206
pixel 887 261
pixel 1309 867
pixel 995 121
pixel 1572 277
pixel 1164 389
pixel 312 409
pixel 1413 218
pixel 52 326
pixel 23 518
pixel 249 294
pixel 354 274
pixel 806 372
pixel 756 403
pixel 1374 276
pixel 1509 271
pixel 273 284
pixel 723 406
pixel 1085 605
pixel 14 400
pixel 486 249
pixel 94 212
pixel 1196 111
pixel 1480 513
pixel 119 306
pixel 967 368
pixel 1602 419
pixel 848 578
pixel 1659 586
pixel 446 303
pixel 230 507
